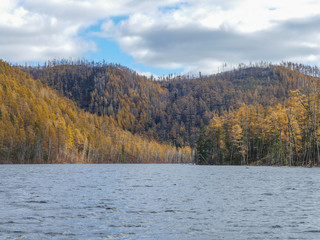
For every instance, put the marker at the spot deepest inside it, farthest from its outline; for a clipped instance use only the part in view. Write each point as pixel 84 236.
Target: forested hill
pixel 172 109
pixel 39 126
pixel 109 90
pixel 284 133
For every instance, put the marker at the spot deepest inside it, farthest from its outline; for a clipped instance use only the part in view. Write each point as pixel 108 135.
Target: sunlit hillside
pixel 38 126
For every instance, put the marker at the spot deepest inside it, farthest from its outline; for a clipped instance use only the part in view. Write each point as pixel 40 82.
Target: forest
pixel 286 133
pixel 170 109
pixel 80 111
pixel 39 126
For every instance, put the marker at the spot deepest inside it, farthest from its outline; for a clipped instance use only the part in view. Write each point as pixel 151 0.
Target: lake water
pixel 158 202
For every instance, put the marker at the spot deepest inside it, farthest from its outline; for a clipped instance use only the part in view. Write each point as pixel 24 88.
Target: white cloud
pixel 27 35
pixel 190 34
pixel 37 30
pixel 202 35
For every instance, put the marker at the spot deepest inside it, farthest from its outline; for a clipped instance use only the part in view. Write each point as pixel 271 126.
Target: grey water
pixel 158 202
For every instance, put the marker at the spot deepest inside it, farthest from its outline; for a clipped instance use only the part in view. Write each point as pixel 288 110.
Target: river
pixel 158 202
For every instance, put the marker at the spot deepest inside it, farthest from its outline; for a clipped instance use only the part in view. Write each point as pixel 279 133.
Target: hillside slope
pixel 173 109
pixel 285 133
pixel 38 126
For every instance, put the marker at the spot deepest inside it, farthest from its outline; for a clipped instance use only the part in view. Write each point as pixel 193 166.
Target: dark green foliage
pixel 204 146
pixel 12 118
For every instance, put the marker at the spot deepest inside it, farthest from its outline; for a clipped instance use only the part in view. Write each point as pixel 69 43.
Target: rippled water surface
pixel 158 202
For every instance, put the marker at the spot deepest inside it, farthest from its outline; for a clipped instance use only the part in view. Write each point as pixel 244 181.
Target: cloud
pixel 28 35
pixel 202 35
pixel 189 34
pixel 37 30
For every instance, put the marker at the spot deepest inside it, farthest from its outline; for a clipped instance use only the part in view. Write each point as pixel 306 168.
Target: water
pixel 158 202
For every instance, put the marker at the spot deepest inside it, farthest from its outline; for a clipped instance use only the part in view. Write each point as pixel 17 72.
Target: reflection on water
pixel 158 202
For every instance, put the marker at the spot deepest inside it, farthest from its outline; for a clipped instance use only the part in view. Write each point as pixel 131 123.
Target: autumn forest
pixel 87 112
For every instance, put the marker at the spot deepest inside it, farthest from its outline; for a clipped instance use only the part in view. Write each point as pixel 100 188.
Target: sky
pixel 161 37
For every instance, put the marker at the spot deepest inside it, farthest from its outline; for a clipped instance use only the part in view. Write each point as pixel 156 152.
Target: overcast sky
pixel 161 37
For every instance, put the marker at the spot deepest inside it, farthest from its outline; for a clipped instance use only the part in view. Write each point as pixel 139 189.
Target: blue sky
pixel 162 37
pixel 109 50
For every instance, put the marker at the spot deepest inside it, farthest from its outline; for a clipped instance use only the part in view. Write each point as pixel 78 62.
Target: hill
pixel 172 109
pixel 39 126
pixel 259 114
pixel 286 132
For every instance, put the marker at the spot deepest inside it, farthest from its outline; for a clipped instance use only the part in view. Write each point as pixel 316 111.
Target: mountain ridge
pixel 173 109
pixel 261 114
